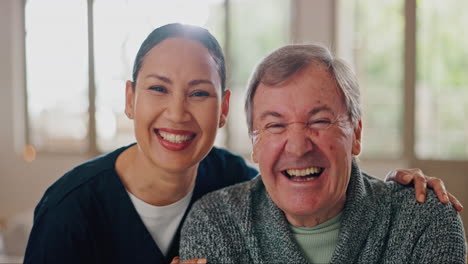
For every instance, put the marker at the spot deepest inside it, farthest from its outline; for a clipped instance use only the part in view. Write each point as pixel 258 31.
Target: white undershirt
pixel 161 221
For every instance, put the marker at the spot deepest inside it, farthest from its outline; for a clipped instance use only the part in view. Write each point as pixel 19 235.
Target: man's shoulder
pixel 229 199
pixel 401 199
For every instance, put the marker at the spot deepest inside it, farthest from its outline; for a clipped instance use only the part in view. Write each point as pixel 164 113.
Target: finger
pixel 390 175
pixel 195 261
pixel 420 185
pixel 401 176
pixel 175 260
pixel 458 206
pixel 439 188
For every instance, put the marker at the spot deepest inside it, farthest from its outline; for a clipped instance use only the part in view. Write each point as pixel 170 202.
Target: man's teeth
pixel 175 138
pixel 304 172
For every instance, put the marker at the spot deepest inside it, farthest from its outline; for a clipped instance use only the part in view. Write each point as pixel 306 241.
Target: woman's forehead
pixel 180 58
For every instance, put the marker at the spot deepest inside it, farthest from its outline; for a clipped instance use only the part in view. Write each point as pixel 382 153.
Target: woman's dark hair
pixel 185 31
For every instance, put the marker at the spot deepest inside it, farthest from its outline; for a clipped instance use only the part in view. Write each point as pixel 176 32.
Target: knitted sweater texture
pixel 381 223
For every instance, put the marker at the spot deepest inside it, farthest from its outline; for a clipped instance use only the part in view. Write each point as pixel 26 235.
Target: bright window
pixel 378 55
pixel 57 74
pixel 380 47
pixel 442 80
pixel 57 59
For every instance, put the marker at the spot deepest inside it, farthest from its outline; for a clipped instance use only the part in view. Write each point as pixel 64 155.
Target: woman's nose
pixel 177 110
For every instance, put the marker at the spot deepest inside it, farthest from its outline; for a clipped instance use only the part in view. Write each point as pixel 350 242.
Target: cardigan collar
pixel 271 240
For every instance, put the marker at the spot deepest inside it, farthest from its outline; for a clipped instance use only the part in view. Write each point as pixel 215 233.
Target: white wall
pixel 313 21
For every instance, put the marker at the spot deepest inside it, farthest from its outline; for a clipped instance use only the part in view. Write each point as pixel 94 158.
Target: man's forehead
pixel 303 99
pixel 282 113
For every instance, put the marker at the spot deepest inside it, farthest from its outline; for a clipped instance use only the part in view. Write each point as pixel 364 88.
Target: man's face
pixel 304 145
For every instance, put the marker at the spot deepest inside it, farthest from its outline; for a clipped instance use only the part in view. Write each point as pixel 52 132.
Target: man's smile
pixel 306 174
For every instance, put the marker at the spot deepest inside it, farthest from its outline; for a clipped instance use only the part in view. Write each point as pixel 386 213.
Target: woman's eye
pixel 160 89
pixel 200 94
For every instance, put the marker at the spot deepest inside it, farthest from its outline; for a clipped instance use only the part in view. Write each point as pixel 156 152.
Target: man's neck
pixel 318 218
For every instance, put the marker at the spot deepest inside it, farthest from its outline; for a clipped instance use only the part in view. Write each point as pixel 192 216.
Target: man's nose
pixel 177 110
pixel 298 141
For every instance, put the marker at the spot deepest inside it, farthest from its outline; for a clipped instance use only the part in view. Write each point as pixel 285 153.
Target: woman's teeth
pixel 175 138
pixel 303 174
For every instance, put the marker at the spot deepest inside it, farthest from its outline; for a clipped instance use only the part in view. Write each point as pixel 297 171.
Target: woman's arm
pixel 421 183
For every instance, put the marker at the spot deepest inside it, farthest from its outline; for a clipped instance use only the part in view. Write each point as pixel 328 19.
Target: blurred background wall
pixel 62 75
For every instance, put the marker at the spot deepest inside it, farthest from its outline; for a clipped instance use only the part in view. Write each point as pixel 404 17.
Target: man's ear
pixel 253 156
pixel 129 99
pixel 224 108
pixel 357 139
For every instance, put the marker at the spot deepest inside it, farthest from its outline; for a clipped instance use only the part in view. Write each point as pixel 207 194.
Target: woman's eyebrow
pixel 200 81
pixel 160 77
pixel 167 80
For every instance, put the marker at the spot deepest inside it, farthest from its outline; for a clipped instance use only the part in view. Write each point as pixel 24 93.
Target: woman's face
pixel 177 104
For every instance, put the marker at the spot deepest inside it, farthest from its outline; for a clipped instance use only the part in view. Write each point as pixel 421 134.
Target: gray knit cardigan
pixel 381 223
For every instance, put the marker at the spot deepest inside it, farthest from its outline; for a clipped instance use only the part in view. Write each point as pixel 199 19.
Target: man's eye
pixel 322 121
pixel 275 128
pixel 160 89
pixel 319 123
pixel 275 125
pixel 200 94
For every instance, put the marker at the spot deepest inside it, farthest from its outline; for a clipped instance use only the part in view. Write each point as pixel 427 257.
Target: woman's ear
pixel 224 108
pixel 129 99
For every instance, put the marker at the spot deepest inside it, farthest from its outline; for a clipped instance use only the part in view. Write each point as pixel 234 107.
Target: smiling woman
pixel 134 198
pixel 177 94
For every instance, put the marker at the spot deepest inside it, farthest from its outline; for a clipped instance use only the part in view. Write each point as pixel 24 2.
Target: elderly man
pixel 312 203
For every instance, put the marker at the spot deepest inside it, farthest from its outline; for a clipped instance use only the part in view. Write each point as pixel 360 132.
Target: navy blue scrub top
pixel 87 216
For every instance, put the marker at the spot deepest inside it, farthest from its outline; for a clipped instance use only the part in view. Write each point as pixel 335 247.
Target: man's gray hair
pixel 284 62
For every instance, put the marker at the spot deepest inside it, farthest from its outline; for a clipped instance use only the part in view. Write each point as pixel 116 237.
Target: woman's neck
pixel 150 183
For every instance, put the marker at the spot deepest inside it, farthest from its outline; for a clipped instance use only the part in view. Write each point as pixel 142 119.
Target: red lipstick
pixel 175 146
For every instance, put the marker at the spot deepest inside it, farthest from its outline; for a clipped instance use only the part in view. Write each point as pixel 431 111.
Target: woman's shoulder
pixel 74 188
pixel 220 160
pixel 221 168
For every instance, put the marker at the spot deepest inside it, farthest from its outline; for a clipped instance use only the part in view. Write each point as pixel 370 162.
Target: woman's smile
pixel 173 139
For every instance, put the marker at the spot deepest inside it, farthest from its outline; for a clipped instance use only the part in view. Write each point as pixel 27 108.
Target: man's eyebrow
pixel 322 108
pixel 270 113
